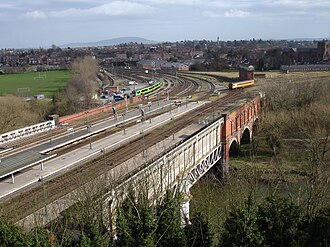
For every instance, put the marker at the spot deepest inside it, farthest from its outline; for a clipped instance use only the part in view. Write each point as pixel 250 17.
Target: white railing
pixel 27 131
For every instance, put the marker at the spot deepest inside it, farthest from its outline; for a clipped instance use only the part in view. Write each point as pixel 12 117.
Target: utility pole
pixel 50 135
pixel 173 127
pixel 124 123
pixel 114 113
pixel 41 179
pixel 143 150
pixel 89 126
pixel 104 157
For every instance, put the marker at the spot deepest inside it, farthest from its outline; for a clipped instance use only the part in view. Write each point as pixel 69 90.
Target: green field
pixel 29 84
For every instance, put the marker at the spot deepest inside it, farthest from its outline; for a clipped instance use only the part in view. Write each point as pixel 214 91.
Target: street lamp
pixel 173 127
pixel 124 123
pixel 114 113
pixel 143 150
pixel 104 158
pixel 50 135
pixel 126 106
pixel 41 179
pixel 86 120
pixel 89 126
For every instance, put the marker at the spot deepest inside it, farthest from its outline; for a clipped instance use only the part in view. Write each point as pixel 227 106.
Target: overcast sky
pixel 34 23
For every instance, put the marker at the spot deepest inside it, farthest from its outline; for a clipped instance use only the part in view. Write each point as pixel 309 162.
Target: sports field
pixel 32 83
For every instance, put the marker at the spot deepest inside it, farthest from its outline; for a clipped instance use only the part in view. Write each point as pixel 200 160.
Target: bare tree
pixel 15 114
pixel 299 125
pixel 83 85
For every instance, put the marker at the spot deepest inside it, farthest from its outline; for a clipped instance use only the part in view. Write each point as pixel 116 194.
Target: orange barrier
pixel 101 109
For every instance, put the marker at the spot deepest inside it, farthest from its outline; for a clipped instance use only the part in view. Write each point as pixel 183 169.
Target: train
pixel 146 90
pixel 241 84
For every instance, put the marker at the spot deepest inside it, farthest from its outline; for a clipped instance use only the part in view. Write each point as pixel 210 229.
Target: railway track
pixel 27 202
pixel 176 87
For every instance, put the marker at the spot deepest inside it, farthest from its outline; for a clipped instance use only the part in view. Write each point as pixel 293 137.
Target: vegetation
pixel 15 114
pixel 68 96
pixel 30 84
pixel 80 89
pixel 288 158
pixel 275 222
pixel 137 224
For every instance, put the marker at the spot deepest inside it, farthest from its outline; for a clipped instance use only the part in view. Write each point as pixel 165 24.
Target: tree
pixel 11 235
pixel 85 241
pixel 317 229
pixel 83 85
pixel 278 221
pixel 199 233
pixel 169 231
pixel 63 105
pixel 241 228
pixel 15 114
pixel 135 224
pixel 272 130
pixel 41 107
pixel 41 237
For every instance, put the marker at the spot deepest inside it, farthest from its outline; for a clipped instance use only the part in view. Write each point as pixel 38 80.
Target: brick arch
pixel 233 148
pixel 246 136
pixel 256 123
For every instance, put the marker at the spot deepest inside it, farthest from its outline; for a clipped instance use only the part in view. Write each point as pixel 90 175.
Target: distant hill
pixel 115 41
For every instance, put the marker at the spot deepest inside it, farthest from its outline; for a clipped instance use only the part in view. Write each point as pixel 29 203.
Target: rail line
pixel 27 202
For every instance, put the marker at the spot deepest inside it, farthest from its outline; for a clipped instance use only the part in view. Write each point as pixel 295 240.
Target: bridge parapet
pixel 181 167
pixel 177 170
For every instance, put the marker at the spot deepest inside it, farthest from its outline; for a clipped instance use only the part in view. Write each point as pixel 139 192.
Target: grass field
pixel 11 84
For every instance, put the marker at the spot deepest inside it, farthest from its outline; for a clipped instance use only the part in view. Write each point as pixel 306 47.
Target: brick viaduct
pixel 238 127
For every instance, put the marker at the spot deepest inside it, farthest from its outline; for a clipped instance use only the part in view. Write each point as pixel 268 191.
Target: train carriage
pixel 241 84
pixel 146 90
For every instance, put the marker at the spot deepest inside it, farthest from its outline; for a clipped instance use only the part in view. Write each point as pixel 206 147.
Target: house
pixel 170 67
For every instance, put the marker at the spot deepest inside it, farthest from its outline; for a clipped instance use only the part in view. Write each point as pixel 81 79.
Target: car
pixel 177 102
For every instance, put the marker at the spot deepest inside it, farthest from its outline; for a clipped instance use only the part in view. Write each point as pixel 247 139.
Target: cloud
pixel 6 6
pixel 301 3
pixel 211 14
pixel 231 4
pixel 175 2
pixel 35 15
pixel 235 13
pixel 115 9
pixel 122 8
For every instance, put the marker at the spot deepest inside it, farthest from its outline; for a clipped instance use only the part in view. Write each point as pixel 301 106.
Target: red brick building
pixel 246 72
